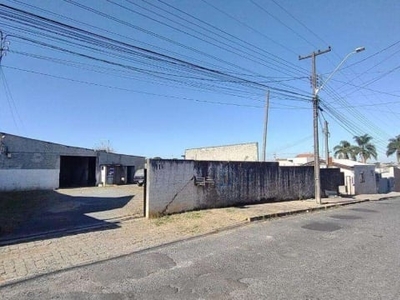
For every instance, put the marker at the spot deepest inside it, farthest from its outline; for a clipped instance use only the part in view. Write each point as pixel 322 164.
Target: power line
pixel 84 35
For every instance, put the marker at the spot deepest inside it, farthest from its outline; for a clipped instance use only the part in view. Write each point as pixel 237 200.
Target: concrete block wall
pixel 237 152
pixel 173 185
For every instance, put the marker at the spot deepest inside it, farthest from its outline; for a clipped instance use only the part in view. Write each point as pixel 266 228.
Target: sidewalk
pixel 29 259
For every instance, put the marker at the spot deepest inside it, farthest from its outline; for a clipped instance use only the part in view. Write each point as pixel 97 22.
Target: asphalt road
pixel 346 253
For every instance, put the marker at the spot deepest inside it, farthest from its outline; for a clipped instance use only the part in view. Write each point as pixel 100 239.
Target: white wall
pixel 295 161
pixel 170 187
pixel 29 179
pixel 348 187
pixel 237 152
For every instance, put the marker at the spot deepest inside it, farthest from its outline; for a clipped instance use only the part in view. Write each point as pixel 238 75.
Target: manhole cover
pixel 329 227
pixel 364 210
pixel 345 217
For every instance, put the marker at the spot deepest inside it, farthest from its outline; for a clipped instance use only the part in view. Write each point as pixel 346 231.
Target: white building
pixel 236 152
pixel 359 178
pixel 299 160
pixel 389 179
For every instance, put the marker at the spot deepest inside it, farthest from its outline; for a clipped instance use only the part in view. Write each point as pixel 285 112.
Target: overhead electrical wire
pixel 209 28
pixel 151 33
pixel 10 100
pixel 131 61
pixel 147 54
pixel 232 48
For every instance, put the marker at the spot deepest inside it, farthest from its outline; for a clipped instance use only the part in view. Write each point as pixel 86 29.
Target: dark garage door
pixel 77 171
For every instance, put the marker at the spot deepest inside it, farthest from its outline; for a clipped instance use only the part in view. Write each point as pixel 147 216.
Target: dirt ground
pixel 34 212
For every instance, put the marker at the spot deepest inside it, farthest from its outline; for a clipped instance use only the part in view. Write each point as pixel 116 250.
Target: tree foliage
pixel 364 148
pixel 393 147
pixel 344 151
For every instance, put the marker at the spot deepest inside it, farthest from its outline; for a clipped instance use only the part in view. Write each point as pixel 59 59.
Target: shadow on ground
pixel 29 215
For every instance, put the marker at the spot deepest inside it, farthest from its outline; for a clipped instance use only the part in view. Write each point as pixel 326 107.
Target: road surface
pixel 346 253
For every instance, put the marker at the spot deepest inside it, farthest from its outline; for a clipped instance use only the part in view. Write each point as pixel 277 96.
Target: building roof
pixel 224 146
pixel 305 155
pixel 349 163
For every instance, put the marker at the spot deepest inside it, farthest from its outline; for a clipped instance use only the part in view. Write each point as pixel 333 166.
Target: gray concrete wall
pixel 396 180
pixel 26 153
pixel 105 158
pixel 237 152
pixel 181 185
pixel 364 179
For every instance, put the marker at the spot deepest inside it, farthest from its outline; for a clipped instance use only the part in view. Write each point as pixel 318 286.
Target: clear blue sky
pixel 163 76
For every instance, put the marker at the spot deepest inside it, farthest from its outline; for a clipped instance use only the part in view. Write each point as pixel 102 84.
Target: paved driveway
pixel 36 212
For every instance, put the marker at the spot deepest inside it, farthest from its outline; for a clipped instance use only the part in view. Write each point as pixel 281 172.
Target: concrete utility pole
pixel 264 154
pixel 317 181
pixel 326 131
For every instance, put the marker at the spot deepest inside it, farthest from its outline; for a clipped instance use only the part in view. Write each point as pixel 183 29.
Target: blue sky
pixel 163 76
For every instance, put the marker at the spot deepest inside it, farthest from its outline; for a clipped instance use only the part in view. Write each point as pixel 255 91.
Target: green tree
pixel 365 149
pixel 394 147
pixel 344 150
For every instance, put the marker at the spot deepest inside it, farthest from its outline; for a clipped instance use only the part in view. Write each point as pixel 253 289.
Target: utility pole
pixel 326 131
pixel 317 182
pixel 264 153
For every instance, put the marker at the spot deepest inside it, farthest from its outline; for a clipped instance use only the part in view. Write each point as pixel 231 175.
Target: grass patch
pixel 162 220
pixel 193 215
pixel 193 229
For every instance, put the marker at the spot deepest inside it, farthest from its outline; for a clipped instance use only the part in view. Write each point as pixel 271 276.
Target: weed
pixel 193 215
pixel 162 220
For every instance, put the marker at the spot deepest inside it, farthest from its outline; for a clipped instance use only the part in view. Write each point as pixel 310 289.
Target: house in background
pixel 389 178
pixel 359 178
pixel 27 164
pixel 299 160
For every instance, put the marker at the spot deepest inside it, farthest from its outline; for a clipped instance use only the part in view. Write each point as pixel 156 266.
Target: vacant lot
pixel 33 212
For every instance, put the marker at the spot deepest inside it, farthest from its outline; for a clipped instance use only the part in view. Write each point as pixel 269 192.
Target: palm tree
pixel 394 147
pixel 365 149
pixel 344 150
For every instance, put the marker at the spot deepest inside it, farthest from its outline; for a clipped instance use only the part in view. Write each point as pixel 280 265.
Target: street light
pixel 357 50
pixel 316 108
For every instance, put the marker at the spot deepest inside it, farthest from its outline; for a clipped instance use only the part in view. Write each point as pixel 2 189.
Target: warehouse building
pixel 27 164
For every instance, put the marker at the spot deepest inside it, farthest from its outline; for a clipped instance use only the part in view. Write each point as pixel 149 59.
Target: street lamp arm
pixel 357 50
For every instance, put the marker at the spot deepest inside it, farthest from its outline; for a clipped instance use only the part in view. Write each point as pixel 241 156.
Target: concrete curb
pixel 78 230
pixel 249 220
pixel 304 210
